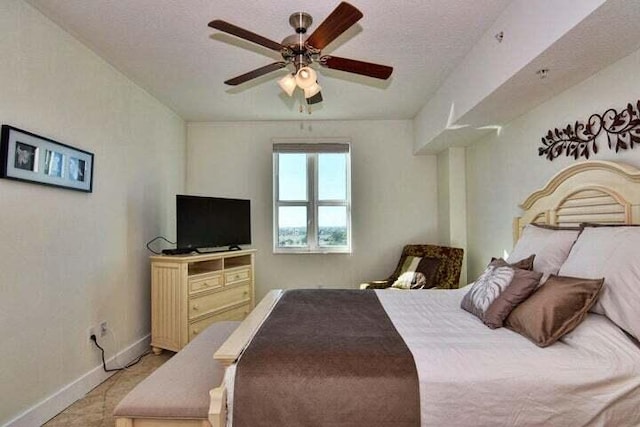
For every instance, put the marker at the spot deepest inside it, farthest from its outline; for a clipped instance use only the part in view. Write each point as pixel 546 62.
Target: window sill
pixel 302 251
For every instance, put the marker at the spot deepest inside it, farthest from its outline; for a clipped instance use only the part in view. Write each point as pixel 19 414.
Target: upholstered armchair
pixel 446 262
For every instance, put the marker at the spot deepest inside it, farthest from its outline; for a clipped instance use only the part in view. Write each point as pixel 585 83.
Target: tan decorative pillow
pixel 524 264
pixel 555 309
pixel 523 284
pixel 498 290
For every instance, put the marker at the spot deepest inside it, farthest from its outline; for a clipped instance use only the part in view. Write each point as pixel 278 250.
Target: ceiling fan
pixel 301 51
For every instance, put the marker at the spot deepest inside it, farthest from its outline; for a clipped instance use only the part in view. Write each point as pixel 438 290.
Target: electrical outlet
pixel 103 328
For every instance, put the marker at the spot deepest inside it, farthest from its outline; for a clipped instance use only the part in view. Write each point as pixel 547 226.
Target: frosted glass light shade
pixel 288 84
pixel 306 77
pixel 312 90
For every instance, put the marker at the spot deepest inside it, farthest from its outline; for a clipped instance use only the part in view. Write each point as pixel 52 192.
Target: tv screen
pixel 212 222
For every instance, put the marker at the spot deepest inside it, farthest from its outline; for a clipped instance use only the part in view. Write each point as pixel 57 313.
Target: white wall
pixel 452 202
pixel 394 195
pixel 529 30
pixel 68 259
pixel 444 211
pixel 502 170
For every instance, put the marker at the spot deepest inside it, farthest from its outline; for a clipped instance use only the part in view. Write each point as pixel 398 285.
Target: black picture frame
pixel 27 157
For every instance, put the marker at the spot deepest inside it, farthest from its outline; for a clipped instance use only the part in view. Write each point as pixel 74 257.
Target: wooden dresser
pixel 190 292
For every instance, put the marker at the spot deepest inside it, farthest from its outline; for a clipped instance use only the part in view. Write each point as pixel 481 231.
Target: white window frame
pixel 311 147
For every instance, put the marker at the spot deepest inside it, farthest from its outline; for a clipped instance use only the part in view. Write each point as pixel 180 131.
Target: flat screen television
pixel 212 222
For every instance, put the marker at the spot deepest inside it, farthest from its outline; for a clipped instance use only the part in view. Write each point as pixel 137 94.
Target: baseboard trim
pixel 48 408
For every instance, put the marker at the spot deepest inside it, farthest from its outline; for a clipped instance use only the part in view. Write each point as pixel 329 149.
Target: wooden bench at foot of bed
pixel 177 393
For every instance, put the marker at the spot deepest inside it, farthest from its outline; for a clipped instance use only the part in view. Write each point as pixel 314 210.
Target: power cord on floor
pixel 104 363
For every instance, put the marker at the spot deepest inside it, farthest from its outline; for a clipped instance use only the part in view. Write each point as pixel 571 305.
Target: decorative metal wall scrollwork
pixel 579 140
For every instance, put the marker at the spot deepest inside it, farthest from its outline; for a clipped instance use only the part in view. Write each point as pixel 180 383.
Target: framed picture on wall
pixel 28 157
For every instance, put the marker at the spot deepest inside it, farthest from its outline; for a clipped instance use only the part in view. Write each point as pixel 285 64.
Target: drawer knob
pixel 196 307
pixel 195 332
pixel 237 276
pixel 245 293
pixel 205 285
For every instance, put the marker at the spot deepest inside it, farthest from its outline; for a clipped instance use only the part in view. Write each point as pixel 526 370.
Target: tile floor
pixel 96 408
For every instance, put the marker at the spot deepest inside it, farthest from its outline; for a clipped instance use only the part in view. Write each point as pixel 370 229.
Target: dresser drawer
pixel 199 305
pixel 237 313
pixel 235 276
pixel 203 283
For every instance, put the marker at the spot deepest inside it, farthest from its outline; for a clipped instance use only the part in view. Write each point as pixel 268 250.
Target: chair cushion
pixel 417 273
pixel 180 387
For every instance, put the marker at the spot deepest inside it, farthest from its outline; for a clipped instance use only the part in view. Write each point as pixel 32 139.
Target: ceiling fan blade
pixel 245 34
pixel 256 73
pixel 358 67
pixel 342 17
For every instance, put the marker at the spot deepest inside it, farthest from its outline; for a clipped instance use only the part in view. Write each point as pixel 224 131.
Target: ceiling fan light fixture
pixel 299 51
pixel 306 77
pixel 288 84
pixel 312 90
pixel 315 99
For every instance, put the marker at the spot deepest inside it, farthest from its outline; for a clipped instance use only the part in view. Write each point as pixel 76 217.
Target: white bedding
pixel 471 375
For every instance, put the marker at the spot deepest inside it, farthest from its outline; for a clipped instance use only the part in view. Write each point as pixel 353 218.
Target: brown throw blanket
pixel 326 358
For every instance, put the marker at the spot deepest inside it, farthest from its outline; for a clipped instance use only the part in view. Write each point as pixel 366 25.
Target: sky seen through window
pixel 332 184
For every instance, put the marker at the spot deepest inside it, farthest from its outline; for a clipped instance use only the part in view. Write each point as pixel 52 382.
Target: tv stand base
pixel 182 251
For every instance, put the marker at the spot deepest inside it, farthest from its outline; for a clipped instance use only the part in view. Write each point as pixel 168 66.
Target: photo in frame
pixel 28 157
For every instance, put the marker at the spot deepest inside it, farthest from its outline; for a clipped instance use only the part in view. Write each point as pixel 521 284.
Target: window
pixel 311 197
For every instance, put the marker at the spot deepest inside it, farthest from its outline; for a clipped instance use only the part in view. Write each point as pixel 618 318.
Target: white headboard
pixel 592 191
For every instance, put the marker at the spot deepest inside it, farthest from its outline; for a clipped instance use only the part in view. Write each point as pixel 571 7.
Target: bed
pixel 469 374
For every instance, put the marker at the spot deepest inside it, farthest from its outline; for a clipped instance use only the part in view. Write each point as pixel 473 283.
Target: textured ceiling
pixel 166 47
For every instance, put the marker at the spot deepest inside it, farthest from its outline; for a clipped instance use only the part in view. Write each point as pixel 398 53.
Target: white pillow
pixel 551 247
pixel 612 253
